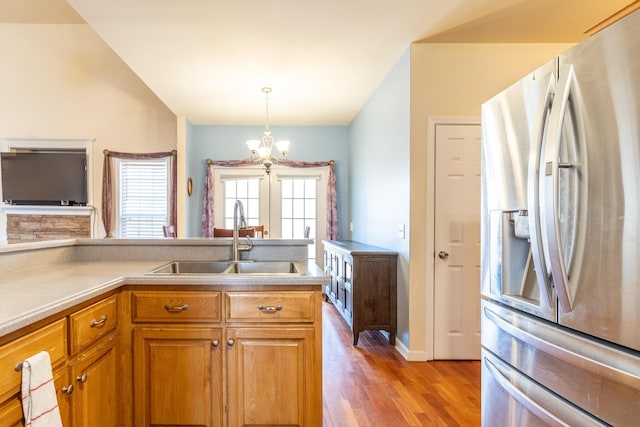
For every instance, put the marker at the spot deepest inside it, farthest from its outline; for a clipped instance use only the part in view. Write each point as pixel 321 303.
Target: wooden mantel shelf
pixel 46 210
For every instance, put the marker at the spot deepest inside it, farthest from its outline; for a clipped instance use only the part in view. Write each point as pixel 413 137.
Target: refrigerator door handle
pixel 533 191
pixel 599 360
pixel 528 393
pixel 550 188
pixel 521 396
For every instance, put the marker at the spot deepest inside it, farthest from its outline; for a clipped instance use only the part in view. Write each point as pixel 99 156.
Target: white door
pixel 285 202
pixel 457 242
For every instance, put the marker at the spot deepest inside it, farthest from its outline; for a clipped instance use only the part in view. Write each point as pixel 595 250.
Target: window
pixel 285 202
pixel 298 209
pixel 247 190
pixel 143 198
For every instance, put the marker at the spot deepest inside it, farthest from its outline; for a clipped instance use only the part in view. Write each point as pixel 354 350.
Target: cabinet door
pixel 348 289
pixel 94 400
pixel 11 410
pixel 334 274
pixel 177 376
pixel 64 393
pixel 272 368
pixel 94 376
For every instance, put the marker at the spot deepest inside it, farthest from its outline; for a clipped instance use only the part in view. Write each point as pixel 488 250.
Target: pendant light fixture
pixel 261 149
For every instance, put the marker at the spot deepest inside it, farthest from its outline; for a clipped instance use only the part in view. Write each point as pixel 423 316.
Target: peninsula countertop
pixel 35 292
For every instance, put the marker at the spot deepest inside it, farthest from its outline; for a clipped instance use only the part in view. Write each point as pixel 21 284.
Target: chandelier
pixel 261 149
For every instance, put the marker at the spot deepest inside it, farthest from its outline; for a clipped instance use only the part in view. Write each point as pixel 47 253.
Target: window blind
pixel 143 198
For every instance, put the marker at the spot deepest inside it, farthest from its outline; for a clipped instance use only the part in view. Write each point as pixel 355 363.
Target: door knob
pixel 443 255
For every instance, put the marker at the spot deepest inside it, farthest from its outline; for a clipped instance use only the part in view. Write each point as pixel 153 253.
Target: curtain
pixel 107 184
pixel 208 208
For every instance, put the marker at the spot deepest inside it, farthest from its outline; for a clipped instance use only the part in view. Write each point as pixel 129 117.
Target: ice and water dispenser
pixel 513 276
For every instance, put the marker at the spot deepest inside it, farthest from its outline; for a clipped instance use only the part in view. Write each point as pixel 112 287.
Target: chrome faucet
pixel 239 224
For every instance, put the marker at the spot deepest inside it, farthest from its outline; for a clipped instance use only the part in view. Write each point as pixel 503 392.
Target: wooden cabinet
pixel 256 360
pixel 180 355
pixel 271 368
pixel 84 374
pixel 88 325
pixel 51 338
pixel 11 409
pixel 177 358
pixel 363 286
pixel 177 376
pixel 95 377
pixel 93 385
pixel 274 358
pixel 627 10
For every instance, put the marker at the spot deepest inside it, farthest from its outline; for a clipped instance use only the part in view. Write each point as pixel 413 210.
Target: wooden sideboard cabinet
pixel 363 285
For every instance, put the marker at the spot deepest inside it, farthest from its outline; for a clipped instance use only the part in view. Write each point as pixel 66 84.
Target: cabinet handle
pixel 269 308
pixel 82 378
pixel 231 342
pixel 94 323
pixel 68 389
pixel 176 308
pixel 215 343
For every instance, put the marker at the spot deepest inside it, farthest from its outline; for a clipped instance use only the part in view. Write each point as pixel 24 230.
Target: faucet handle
pixel 247 247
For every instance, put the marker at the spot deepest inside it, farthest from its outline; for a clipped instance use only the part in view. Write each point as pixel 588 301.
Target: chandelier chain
pixel 266 91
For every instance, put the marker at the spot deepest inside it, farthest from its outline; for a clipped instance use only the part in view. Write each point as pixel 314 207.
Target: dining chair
pixel 228 232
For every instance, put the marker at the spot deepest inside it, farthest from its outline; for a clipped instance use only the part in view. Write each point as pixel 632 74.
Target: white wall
pixel 64 82
pixel 449 80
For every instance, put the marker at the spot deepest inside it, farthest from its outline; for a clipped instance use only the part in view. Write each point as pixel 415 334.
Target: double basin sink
pixel 268 268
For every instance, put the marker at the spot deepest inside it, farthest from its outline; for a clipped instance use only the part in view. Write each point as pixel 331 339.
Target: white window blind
pixel 143 203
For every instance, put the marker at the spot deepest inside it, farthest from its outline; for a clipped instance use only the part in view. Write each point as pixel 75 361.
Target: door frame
pixel 430 161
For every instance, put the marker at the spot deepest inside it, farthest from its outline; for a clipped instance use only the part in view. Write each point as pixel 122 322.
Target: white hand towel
pixel 39 401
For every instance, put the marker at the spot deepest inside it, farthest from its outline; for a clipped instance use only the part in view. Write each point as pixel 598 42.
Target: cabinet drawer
pixel 288 306
pixel 51 338
pixel 175 306
pixel 88 325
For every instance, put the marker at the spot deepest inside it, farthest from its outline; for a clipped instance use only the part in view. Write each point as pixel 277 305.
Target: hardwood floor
pixel 373 385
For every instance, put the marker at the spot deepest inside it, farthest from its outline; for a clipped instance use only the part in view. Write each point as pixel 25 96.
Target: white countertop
pixel 37 293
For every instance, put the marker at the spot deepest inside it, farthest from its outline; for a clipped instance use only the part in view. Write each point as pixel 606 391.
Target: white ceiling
pixel 207 60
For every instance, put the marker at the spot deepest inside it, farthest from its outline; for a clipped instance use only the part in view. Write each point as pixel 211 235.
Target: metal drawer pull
pixel 176 308
pixel 68 389
pixel 269 308
pixel 100 322
pixel 82 378
pixel 215 343
pixel 231 342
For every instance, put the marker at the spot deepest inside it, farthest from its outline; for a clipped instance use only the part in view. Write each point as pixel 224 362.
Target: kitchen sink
pixel 230 267
pixel 192 267
pixel 266 267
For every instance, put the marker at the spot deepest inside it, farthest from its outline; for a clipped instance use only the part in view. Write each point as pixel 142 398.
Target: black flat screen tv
pixel 44 178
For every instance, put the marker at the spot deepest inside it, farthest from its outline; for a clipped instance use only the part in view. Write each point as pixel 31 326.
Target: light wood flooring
pixel 373 385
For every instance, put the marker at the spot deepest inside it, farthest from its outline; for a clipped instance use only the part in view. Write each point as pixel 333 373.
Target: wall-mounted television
pixel 44 178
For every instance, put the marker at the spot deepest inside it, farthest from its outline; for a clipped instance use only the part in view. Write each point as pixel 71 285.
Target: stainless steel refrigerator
pixel 560 265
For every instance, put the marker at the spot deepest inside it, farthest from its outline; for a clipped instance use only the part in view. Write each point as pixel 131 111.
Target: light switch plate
pixel 401 231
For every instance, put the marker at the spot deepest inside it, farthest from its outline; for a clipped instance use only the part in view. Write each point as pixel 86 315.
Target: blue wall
pixel 308 143
pixel 379 141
